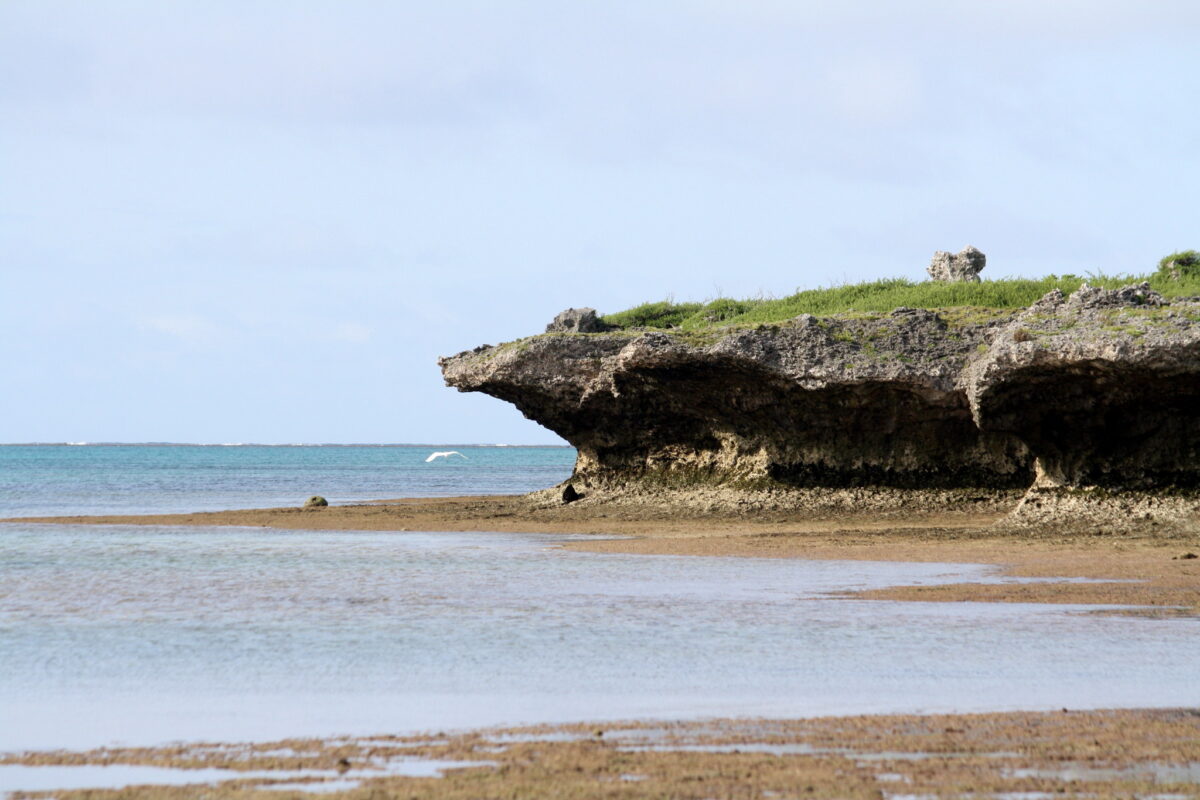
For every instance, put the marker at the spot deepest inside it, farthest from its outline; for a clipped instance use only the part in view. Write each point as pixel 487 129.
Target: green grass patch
pixel 973 302
pixel 1182 265
pixel 664 314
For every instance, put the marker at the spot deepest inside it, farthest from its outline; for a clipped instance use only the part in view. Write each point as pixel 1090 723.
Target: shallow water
pixel 48 480
pixel 22 778
pixel 143 635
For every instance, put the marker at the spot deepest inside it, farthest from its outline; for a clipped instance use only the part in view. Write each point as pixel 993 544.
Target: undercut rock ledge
pixel 1083 404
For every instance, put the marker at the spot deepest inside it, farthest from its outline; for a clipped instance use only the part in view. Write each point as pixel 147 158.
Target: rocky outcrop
pixel 1101 389
pixel 812 402
pixel 964 266
pixel 577 320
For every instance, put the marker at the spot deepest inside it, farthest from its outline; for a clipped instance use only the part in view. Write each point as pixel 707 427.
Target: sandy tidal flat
pixel 1063 753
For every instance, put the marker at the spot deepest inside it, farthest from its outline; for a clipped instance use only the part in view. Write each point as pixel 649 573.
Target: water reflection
pixel 144 635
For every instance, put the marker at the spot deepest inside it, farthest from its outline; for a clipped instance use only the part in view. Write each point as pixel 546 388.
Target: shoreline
pixel 1154 571
pixel 1095 753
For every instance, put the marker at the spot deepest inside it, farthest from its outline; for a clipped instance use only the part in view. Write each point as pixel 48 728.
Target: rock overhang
pixel 1103 386
pixel 1061 391
pixel 853 400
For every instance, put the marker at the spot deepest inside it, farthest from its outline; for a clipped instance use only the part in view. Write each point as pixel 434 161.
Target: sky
pixel 253 221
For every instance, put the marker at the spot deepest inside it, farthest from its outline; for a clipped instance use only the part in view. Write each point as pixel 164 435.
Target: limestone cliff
pixel 1101 389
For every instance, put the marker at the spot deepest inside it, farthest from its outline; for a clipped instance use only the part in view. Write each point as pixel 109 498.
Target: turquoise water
pixel 130 479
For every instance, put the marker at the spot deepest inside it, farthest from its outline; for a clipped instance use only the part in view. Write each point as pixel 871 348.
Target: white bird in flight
pixel 446 454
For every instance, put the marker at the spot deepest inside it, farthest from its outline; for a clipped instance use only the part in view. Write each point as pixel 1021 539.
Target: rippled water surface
pixel 45 480
pixel 144 635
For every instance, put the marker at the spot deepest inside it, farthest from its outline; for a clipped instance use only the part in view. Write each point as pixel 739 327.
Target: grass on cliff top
pixel 881 296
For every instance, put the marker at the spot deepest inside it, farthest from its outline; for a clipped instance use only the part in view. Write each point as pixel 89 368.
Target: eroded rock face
pixel 963 266
pixel 814 402
pixel 1102 387
pixel 1096 391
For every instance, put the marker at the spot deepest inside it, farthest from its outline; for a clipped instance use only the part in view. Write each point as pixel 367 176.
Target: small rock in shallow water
pixel 316 501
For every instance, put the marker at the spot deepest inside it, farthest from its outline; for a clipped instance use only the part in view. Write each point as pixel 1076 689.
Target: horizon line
pixel 277 444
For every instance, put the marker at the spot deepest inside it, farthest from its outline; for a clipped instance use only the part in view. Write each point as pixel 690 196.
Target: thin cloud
pixel 192 328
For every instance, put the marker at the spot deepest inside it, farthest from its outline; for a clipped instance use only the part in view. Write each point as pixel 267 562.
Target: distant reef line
pixel 263 444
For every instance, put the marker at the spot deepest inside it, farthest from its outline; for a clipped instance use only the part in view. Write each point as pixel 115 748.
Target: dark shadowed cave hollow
pixel 1102 424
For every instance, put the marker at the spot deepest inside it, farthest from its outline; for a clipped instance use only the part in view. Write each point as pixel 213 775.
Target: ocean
pixel 51 480
pixel 151 634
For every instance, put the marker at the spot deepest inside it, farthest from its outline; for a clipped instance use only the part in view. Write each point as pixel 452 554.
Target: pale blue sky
pixel 263 221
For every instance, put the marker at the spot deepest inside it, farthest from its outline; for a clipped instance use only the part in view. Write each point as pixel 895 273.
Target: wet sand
pixel 1152 569
pixel 1062 753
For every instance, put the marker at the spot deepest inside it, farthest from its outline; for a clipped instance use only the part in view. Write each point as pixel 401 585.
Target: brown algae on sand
pixel 1124 753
